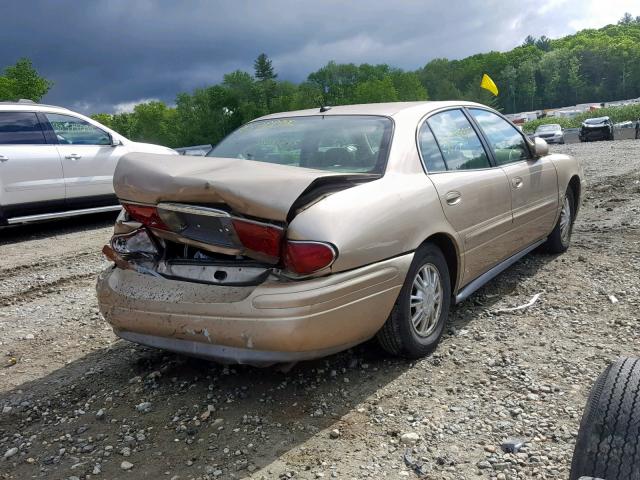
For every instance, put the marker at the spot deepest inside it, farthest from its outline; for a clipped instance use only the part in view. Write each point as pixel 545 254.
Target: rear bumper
pixel 553 139
pixel 595 134
pixel 276 321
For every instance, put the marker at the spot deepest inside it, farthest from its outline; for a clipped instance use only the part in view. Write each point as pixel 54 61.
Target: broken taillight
pixel 258 237
pixel 136 242
pixel 304 258
pixel 145 214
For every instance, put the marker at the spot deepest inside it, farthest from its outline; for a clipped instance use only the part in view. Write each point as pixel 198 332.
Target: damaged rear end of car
pixel 230 236
pixel 203 263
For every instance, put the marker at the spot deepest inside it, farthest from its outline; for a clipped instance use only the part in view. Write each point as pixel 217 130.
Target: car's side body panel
pixel 484 232
pixel 534 199
pixel 30 174
pixel 376 220
pixel 568 168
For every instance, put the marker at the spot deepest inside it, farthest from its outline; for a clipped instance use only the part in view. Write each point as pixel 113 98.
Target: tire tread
pixel 607 444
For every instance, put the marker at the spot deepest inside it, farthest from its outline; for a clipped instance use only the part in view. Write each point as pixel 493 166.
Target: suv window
pixel 505 140
pixel 21 128
pixel 75 131
pixel 459 143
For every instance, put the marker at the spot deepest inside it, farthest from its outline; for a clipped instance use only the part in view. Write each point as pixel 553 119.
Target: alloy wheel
pixel 425 301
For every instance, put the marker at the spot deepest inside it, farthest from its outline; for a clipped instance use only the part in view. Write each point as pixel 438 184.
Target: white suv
pixel 57 163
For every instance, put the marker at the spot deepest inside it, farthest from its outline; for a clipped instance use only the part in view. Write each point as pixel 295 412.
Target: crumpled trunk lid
pixel 255 189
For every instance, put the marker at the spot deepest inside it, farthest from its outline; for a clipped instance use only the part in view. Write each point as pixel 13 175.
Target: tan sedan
pixel 305 233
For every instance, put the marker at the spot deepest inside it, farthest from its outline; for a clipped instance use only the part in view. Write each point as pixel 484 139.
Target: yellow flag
pixel 488 84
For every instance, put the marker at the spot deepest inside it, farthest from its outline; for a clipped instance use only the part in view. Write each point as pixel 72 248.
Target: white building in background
pixel 567 112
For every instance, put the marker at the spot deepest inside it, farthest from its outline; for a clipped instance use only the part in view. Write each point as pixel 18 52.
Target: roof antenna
pixel 325 108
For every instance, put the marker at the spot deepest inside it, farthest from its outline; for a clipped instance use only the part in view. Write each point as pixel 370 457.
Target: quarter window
pixel 507 143
pixel 75 131
pixel 21 128
pixel 430 151
pixel 459 143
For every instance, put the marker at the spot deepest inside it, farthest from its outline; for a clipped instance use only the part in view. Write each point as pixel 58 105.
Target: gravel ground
pixel 76 403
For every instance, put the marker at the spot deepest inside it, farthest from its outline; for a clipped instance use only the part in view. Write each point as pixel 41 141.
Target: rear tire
pixel 606 446
pixel 404 333
pixel 560 238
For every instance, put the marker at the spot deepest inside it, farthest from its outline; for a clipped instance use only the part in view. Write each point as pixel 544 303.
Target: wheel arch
pixel 447 244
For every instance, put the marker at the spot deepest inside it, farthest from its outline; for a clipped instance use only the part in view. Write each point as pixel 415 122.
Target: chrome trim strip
pixel 68 213
pixel 493 272
pixel 193 209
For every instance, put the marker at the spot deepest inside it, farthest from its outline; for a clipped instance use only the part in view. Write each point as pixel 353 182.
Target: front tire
pixel 417 320
pixel 560 237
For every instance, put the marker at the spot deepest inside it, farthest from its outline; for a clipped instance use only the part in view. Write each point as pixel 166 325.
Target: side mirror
pixel 114 141
pixel 540 147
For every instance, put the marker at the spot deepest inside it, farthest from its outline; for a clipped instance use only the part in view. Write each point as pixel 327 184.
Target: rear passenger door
pixel 533 182
pixel 31 178
pixel 475 197
pixel 88 161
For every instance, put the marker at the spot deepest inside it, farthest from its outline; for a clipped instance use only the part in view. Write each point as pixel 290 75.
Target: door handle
pixel 73 156
pixel 453 197
pixel 3 158
pixel 517 182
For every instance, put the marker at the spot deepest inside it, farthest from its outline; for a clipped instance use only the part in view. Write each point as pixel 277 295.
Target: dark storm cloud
pixel 101 54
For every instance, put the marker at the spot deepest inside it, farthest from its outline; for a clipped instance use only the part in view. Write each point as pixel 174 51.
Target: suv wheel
pixel 418 317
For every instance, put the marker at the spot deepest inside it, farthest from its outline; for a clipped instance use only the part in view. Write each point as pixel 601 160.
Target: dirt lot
pixel 77 403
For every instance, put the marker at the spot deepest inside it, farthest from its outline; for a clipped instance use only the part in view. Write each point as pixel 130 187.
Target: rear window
pixel 337 143
pixel 20 128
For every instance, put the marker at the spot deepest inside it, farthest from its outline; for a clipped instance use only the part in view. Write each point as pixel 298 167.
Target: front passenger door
pixel 474 196
pixel 533 182
pixel 88 161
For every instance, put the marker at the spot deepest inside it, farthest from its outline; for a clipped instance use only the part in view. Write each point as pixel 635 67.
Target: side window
pixel 429 149
pixel 507 143
pixel 75 131
pixel 458 141
pixel 20 128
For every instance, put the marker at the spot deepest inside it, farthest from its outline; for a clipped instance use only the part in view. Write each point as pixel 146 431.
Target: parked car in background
pixel 304 233
pixel 57 163
pixel 550 133
pixel 600 128
pixel 195 150
pixel 627 124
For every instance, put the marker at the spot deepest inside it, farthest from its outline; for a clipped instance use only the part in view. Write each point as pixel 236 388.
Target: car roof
pixel 389 109
pixel 596 120
pixel 29 106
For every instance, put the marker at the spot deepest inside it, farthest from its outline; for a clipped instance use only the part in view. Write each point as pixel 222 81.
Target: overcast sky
pixel 109 55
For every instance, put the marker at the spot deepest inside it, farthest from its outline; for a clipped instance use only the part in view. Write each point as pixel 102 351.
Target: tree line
pixel 593 65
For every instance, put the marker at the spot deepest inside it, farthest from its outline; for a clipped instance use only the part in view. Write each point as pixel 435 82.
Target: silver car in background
pixel 551 133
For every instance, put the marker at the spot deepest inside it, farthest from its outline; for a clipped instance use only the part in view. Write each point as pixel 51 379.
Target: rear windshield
pixel 338 143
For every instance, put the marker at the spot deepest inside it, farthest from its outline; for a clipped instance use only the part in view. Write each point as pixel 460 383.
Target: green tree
pixel 408 86
pixel 373 91
pixel 263 68
pixel 574 78
pixel 154 123
pixel 23 81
